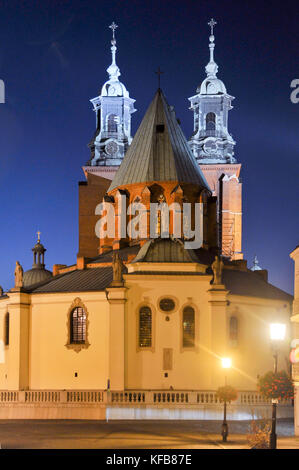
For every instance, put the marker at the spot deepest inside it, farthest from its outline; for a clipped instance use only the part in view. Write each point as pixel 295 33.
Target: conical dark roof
pixel 159 151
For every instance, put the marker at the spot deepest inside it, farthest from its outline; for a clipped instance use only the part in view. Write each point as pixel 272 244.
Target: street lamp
pixel 226 364
pixel 277 334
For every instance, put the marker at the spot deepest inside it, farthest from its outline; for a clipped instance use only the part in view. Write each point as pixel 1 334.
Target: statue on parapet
pixel 117 266
pixel 18 275
pixel 217 267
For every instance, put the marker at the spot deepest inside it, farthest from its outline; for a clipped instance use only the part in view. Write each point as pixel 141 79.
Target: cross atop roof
pixel 212 23
pixel 113 26
pixel 159 73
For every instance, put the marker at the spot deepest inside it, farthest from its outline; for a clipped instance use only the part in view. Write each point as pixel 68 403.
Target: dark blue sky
pixel 53 59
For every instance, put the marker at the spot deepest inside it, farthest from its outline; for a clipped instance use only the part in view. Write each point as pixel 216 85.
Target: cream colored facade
pixel 40 358
pixel 295 333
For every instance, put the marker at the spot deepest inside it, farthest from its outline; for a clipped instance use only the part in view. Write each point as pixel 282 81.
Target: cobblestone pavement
pixel 35 434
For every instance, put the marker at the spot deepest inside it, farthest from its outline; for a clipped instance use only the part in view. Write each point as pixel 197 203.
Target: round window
pixel 167 305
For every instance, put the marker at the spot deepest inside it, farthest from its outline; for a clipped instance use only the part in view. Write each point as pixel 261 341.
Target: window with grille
pixel 78 325
pixel 233 329
pixel 188 327
pixel 210 121
pixel 145 327
pixel 112 124
pixel 6 330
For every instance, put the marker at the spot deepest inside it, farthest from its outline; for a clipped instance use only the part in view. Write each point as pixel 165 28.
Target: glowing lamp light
pixel 226 362
pixel 277 331
pixel 294 355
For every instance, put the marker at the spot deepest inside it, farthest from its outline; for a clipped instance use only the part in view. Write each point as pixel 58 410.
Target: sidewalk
pixel 35 434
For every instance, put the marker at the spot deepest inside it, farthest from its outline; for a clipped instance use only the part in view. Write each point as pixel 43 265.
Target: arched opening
pixel 6 329
pixel 112 123
pixel 233 330
pixel 188 327
pixel 145 327
pixel 78 326
pixel 210 122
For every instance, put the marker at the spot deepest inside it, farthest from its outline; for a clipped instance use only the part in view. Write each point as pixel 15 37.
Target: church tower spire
pixel 113 70
pixel 212 67
pixel 213 148
pixel 211 142
pixel 113 108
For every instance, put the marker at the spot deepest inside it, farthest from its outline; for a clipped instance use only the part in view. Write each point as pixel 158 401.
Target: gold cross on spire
pixel 159 73
pixel 38 235
pixel 212 23
pixel 113 26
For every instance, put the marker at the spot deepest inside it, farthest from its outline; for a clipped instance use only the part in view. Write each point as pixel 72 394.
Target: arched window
pixel 78 326
pixel 210 122
pixel 233 329
pixel 112 123
pixel 188 327
pixel 6 329
pixel 145 327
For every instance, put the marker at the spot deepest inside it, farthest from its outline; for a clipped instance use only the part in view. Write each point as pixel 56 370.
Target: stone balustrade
pixel 151 397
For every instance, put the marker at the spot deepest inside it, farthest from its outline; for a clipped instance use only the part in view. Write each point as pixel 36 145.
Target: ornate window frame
pixel 153 310
pixel 194 348
pixel 76 346
pixel 172 297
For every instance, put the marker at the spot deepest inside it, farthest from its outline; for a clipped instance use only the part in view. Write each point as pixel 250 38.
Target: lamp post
pixel 226 364
pixel 277 334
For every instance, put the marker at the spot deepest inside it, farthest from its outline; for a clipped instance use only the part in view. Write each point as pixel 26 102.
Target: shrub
pixel 259 437
pixel 227 393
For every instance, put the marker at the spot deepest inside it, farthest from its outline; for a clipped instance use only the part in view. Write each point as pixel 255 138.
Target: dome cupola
pixel 37 273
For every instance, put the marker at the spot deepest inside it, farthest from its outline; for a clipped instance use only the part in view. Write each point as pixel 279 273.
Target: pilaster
pixel 218 331
pixel 116 297
pixel 19 317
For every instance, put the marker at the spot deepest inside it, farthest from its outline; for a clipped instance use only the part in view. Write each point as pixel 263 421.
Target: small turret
pixel 38 273
pixel 255 266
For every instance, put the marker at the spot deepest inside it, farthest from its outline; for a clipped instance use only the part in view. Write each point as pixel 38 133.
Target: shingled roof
pixel 80 280
pixel 165 251
pixel 251 284
pixel 159 151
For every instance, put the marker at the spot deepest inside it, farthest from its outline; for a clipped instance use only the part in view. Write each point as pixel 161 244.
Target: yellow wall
pixel 43 327
pixel 200 368
pixel 52 364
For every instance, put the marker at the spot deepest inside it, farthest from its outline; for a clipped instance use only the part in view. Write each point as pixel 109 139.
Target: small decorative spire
pixel 113 26
pixel 212 23
pixel 38 233
pixel 113 70
pixel 256 266
pixel 212 67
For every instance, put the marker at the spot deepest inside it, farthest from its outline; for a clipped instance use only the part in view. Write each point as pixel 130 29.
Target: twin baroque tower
pixel 211 144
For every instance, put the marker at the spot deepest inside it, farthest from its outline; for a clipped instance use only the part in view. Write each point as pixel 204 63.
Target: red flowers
pixel 278 386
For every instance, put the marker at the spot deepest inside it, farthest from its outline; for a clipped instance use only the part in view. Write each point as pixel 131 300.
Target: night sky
pixel 53 59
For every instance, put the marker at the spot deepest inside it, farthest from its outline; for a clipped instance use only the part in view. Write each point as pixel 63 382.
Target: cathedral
pixel 138 326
